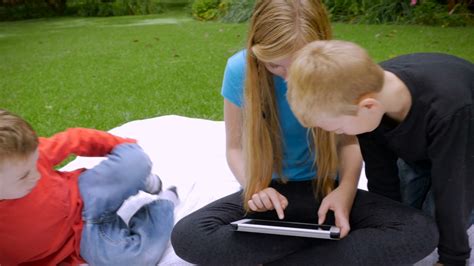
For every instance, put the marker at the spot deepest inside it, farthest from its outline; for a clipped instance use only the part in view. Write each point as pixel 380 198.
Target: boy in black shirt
pixel 418 108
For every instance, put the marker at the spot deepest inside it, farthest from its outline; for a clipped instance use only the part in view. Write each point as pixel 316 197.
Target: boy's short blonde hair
pixel 331 77
pixel 17 138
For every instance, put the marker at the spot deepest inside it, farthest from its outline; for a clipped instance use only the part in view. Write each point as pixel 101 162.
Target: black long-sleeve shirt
pixel 438 132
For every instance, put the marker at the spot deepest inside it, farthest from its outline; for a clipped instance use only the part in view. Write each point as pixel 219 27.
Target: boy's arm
pixel 451 152
pixel 380 166
pixel 350 161
pixel 340 200
pixel 79 141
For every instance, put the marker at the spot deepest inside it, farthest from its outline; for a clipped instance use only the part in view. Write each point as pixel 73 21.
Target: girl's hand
pixel 269 199
pixel 340 202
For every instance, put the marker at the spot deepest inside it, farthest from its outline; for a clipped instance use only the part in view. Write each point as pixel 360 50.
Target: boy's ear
pixel 369 104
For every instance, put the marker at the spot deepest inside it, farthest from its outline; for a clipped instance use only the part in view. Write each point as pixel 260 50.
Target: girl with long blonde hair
pixel 289 172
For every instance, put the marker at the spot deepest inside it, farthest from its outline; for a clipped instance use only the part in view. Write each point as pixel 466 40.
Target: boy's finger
pixel 342 223
pixel 323 209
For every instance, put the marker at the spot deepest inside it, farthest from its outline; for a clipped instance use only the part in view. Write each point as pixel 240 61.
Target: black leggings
pixel 383 232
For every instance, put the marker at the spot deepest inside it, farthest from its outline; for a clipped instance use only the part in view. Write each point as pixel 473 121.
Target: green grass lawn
pixel 103 72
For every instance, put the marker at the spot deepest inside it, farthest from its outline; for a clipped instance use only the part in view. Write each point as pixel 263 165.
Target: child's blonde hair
pixel 17 138
pixel 278 28
pixel 331 77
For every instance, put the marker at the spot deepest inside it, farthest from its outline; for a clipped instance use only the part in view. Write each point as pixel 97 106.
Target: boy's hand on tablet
pixel 340 202
pixel 269 199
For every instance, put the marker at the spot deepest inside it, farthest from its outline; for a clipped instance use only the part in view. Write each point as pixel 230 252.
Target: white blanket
pixel 189 153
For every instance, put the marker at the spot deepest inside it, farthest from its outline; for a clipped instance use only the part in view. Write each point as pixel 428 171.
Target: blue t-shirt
pixel 298 157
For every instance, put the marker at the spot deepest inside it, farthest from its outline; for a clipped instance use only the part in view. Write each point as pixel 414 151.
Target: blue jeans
pixel 415 188
pixel 106 239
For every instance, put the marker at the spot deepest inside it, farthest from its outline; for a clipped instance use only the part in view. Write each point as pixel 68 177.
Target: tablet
pixel 287 228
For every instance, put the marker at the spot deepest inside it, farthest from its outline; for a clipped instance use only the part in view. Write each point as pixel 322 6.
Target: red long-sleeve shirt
pixel 44 227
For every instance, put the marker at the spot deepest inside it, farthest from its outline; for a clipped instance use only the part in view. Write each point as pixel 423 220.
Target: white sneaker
pixel 131 205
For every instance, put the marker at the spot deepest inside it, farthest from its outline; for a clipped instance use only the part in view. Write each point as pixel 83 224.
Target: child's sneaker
pixel 153 184
pixel 131 205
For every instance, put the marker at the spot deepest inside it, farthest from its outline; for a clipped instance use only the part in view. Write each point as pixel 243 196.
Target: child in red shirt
pixel 48 217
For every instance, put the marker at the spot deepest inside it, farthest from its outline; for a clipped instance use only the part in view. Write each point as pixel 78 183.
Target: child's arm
pixel 79 141
pixel 341 199
pixel 350 160
pixel 233 129
pixel 451 151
